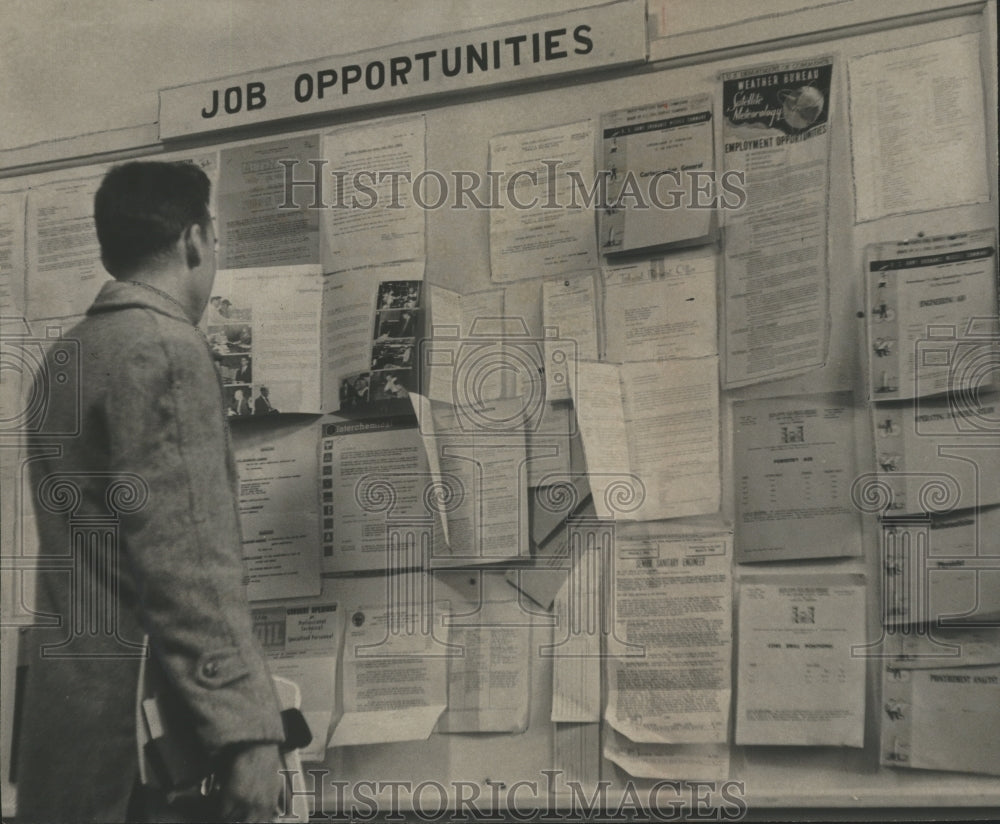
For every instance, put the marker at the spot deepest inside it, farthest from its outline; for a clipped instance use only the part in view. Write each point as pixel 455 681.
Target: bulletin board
pixel 458 134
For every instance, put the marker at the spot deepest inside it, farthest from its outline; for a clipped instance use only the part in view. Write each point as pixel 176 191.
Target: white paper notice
pixel 536 232
pixel 600 414
pixel 259 224
pixel 570 330
pixel 302 644
pixel 277 467
pixel 488 684
pixel 941 710
pixel 370 471
pixel 265 333
pixel 942 570
pixel 484 509
pixel 938 454
pixel 932 323
pixel 64 258
pixel 653 426
pixel 12 257
pixel 776 133
pixel 549 445
pixel 659 167
pixel 450 351
pixel 395 678
pixel 661 308
pixel 794 466
pixel 673 606
pixel 800 680
pixel 918 133
pixel 369 175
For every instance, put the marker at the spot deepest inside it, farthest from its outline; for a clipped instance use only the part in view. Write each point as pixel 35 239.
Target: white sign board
pixel 574 41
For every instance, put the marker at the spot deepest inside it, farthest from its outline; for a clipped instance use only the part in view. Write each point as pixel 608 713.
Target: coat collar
pixel 122 294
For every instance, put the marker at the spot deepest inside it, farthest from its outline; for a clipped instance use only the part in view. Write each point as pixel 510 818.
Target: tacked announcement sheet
pixel 801 678
pixel 673 609
pixel 775 308
pixel 794 468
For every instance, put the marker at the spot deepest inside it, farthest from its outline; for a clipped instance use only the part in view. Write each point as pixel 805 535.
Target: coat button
pixel 210 669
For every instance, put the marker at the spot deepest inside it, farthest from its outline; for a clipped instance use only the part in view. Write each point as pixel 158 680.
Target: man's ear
pixel 193 240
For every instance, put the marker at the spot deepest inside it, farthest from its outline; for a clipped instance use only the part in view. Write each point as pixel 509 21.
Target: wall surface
pixel 72 68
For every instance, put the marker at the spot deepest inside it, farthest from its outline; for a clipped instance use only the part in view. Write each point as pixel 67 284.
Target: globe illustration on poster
pixel 801 107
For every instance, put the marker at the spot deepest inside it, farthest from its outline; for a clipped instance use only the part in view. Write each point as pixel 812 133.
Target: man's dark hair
pixel 142 207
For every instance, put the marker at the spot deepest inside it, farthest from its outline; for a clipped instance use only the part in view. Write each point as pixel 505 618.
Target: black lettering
pixel 325 79
pixel 370 81
pixel 215 105
pixel 303 87
pixel 535 47
pixel 255 96
pixel 478 56
pixel 348 75
pixel 586 44
pixel 425 58
pixel 233 100
pixel 515 44
pixel 451 71
pixel 399 67
pixel 552 50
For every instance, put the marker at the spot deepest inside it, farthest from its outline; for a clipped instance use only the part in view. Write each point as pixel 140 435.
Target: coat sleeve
pixel 164 418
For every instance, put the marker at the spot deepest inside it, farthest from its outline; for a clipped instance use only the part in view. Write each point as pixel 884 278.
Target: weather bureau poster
pixel 776 132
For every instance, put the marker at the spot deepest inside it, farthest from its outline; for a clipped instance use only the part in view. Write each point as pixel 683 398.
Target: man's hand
pixel 252 784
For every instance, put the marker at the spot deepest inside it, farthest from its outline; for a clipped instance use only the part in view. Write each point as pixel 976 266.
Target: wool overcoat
pixel 135 496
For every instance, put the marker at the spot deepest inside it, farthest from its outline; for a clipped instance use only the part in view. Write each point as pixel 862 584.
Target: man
pixel 262 405
pixel 240 406
pixel 152 425
pixel 244 373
